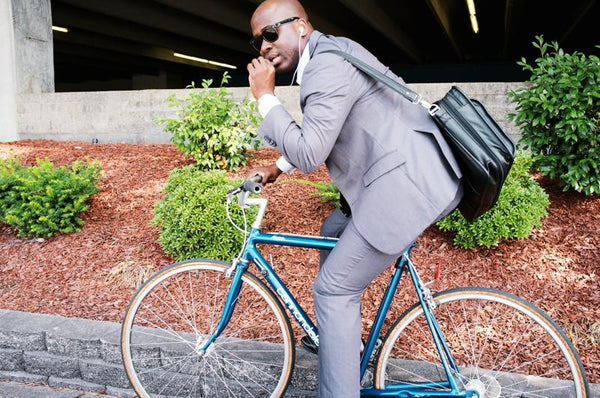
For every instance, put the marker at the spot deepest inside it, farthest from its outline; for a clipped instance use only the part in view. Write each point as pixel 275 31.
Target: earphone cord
pixel 299 56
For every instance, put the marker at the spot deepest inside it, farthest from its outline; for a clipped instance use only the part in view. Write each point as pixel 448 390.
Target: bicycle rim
pixel 503 346
pixel 172 314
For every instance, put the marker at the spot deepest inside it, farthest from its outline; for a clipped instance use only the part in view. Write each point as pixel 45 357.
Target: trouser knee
pixel 320 289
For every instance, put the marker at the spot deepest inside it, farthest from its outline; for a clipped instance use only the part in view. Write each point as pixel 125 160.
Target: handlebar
pixel 251 185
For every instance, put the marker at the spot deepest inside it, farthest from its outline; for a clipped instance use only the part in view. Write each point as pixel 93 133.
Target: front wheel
pixel 170 318
pixel 503 347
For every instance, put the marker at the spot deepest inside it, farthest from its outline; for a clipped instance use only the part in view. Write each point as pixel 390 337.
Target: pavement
pixel 12 389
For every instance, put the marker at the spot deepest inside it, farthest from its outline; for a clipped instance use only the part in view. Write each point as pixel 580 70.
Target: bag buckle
pixel 433 109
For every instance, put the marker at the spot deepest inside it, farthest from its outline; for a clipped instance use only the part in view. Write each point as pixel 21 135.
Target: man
pixel 385 155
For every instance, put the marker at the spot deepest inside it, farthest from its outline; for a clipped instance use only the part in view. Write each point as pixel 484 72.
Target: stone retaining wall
pixel 85 355
pixel 62 352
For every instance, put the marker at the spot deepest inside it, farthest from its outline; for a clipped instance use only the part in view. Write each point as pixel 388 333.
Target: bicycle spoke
pixel 173 311
pixel 169 328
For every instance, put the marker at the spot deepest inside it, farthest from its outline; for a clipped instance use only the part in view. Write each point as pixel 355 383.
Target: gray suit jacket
pixel 385 154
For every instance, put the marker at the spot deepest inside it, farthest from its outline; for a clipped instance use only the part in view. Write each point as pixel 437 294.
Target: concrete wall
pixel 127 116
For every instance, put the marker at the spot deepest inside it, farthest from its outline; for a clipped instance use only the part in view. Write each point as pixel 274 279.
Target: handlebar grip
pixel 252 186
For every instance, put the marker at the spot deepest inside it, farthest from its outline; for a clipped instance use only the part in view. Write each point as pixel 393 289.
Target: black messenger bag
pixel 482 149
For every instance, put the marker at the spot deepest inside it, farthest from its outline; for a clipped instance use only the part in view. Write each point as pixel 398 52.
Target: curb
pixel 85 355
pixel 12 389
pixel 56 351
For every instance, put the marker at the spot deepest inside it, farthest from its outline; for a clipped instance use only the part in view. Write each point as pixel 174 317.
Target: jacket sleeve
pixel 330 87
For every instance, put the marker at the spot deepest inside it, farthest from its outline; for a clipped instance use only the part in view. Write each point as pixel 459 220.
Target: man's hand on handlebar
pixel 268 174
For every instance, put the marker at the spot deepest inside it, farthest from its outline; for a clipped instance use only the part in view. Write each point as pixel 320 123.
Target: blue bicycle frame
pixel 252 254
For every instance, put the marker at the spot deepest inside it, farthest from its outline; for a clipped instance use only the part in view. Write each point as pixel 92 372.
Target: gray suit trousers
pixel 344 274
pixel 333 227
pixel 337 291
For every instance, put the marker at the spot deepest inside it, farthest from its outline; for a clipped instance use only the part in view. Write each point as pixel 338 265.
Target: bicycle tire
pixel 172 313
pixel 503 345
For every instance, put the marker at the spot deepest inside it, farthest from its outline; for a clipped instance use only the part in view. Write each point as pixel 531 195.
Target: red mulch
pixel 557 268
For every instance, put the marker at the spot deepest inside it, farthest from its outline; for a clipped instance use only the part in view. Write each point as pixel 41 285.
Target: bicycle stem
pixel 262 208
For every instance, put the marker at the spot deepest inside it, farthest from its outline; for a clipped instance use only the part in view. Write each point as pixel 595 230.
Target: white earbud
pixel 301 31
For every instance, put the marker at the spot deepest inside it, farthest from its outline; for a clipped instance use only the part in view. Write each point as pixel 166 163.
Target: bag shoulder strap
pixel 400 88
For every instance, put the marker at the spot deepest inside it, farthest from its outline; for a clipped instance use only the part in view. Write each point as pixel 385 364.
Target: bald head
pixel 280 7
pixel 292 35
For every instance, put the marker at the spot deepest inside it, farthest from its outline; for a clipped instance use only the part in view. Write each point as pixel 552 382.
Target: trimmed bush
pixel 193 217
pixel 520 207
pixel 43 200
pixel 212 127
pixel 559 113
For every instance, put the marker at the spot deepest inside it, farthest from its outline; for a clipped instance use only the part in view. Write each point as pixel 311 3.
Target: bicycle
pixel 208 328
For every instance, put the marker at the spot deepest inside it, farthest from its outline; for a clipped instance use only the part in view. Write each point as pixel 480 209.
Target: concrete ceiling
pixel 112 39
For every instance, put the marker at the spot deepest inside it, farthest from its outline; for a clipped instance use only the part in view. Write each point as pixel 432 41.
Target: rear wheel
pixel 172 314
pixel 503 346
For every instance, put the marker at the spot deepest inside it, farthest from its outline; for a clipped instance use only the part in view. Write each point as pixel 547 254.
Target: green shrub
pixel 559 114
pixel 327 192
pixel 193 217
pixel 43 200
pixel 520 207
pixel 212 127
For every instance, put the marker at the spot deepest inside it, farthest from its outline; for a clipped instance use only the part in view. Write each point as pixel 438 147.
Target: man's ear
pixel 302 29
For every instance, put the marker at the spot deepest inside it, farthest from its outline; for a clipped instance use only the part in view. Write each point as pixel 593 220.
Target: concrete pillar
pixel 8 100
pixel 26 57
pixel 34 59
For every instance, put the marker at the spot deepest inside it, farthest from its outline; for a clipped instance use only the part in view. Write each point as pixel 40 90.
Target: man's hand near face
pixel 261 76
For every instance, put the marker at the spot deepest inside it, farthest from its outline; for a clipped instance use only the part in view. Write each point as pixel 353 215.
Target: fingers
pixel 263 178
pixel 254 63
pixel 257 172
pixel 259 63
pixel 267 174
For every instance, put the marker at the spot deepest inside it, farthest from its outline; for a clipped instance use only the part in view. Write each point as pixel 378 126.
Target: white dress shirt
pixel 268 101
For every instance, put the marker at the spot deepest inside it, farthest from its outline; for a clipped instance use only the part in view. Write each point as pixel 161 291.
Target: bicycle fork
pixel 237 269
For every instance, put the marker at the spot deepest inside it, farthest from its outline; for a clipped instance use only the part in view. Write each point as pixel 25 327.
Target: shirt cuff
pixel 266 103
pixel 284 165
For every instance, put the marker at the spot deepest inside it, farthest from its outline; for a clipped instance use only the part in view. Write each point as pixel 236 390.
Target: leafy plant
pixel 212 127
pixel 327 192
pixel 559 114
pixel 193 217
pixel 43 200
pixel 521 206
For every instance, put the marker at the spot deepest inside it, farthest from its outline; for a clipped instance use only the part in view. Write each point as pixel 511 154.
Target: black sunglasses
pixel 269 33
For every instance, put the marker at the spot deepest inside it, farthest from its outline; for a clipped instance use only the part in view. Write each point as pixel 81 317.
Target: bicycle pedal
pixel 309 345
